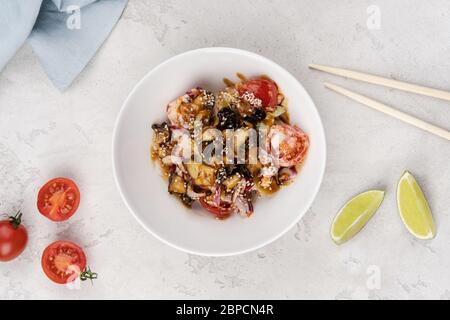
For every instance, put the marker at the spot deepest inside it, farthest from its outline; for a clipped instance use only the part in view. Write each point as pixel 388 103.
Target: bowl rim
pixel 115 147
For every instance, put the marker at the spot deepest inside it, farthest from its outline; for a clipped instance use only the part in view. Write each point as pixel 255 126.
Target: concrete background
pixel 45 133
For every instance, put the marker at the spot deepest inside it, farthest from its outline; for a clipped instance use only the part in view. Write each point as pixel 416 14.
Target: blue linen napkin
pixel 64 34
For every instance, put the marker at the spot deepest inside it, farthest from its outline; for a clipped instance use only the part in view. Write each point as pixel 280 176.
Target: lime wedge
pixel 354 215
pixel 413 208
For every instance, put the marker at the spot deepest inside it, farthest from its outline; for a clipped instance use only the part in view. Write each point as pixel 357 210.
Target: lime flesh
pixel 354 215
pixel 414 209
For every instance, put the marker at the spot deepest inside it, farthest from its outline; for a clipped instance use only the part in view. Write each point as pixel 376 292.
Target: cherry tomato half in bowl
pixel 222 211
pixel 64 262
pixel 263 89
pixel 13 238
pixel 58 199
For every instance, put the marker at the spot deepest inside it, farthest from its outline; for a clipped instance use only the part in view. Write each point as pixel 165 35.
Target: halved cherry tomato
pixel 263 89
pixel 13 237
pixel 288 144
pixel 58 199
pixel 63 261
pixel 222 211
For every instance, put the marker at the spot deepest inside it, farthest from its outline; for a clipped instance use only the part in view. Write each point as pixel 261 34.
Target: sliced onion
pixel 178 133
pixel 240 198
pixel 194 195
pixel 175 161
pixel 249 206
pixel 287 174
pixel 249 185
pixel 169 160
pixel 239 190
pixel 278 111
pixel 217 192
pixel 172 112
pixel 176 158
pixel 244 206
pixel 227 198
pixel 241 207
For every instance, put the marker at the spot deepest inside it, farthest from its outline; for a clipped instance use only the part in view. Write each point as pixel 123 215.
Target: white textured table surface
pixel 44 133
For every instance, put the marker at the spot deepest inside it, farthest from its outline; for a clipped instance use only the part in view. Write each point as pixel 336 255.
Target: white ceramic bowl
pixel 145 192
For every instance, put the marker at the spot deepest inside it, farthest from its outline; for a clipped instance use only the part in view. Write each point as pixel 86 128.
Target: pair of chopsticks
pixel 390 83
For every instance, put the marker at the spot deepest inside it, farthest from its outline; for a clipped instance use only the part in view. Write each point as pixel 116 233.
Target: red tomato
pixel 263 89
pixel 222 211
pixel 63 261
pixel 58 199
pixel 288 144
pixel 13 238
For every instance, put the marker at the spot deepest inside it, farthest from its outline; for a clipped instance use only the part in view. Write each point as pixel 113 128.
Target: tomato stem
pixel 88 274
pixel 16 220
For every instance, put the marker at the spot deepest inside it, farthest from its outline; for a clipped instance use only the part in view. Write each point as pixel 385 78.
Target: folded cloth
pixel 17 19
pixel 64 34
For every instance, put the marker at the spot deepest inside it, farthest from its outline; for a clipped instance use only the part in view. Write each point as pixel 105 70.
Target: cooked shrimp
pixel 194 105
pixel 288 144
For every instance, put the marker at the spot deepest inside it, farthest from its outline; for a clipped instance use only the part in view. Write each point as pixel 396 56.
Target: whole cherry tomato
pixel 13 237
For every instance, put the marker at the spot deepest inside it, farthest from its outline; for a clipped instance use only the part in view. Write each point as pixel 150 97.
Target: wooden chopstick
pixel 390 83
pixel 390 111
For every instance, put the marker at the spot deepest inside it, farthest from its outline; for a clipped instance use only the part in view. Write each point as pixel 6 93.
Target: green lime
pixel 354 215
pixel 413 208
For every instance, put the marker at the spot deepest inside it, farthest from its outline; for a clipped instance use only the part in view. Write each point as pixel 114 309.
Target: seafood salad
pixel 225 149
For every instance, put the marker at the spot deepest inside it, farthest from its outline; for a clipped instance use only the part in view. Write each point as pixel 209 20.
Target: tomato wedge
pixel 58 199
pixel 63 261
pixel 222 211
pixel 263 89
